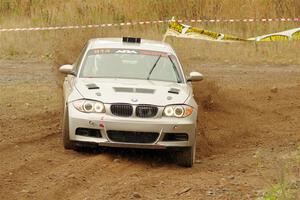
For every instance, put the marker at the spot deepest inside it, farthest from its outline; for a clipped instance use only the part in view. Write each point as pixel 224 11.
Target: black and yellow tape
pixel 181 30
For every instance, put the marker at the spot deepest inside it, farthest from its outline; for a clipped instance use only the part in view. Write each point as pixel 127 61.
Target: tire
pixel 68 144
pixel 186 157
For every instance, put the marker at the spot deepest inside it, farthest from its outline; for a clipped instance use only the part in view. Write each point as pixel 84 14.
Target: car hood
pixel 133 91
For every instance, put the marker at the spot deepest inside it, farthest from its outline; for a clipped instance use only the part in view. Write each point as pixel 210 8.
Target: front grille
pixel 132 137
pixel 146 111
pixel 122 110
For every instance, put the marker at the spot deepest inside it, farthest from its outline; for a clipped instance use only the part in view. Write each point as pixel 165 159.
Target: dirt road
pixel 249 128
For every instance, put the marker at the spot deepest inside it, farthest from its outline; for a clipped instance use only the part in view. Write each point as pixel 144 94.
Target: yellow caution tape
pixel 185 31
pixel 273 38
pixel 296 35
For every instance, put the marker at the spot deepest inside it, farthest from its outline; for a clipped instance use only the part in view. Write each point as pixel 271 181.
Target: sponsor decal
pixel 128 51
pixel 153 53
pixel 102 51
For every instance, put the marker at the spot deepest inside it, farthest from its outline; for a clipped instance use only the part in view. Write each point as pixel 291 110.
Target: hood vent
pixel 174 91
pixel 123 89
pixel 92 86
pixel 134 90
pixel 144 90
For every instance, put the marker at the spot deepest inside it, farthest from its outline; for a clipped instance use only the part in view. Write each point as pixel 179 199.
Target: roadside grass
pixel 37 12
pixel 280 191
pixel 63 46
pixel 286 188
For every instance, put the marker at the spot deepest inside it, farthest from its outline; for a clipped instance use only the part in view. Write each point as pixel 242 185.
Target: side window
pixel 79 59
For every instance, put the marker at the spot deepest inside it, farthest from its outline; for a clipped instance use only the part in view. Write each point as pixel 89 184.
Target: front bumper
pixel 106 122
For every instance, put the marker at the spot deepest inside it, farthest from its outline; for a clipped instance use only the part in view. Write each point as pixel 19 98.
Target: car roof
pixel 150 45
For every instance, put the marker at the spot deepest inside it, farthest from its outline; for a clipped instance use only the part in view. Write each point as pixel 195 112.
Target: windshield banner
pixel 185 31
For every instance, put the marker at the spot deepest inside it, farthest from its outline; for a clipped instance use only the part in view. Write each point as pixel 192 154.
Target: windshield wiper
pixel 153 67
pixel 175 69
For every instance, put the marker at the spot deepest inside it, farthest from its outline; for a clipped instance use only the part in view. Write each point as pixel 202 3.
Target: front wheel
pixel 68 144
pixel 186 157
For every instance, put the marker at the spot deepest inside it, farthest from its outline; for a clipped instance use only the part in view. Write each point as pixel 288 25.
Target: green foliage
pixel 279 192
pixel 284 190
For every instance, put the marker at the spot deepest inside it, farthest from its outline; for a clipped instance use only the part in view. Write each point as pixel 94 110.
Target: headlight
pixel 178 111
pixel 89 106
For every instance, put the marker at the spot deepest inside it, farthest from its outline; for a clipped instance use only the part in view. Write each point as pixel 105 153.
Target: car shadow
pixel 151 157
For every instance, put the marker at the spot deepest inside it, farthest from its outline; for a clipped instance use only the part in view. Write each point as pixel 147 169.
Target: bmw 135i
pixel 130 93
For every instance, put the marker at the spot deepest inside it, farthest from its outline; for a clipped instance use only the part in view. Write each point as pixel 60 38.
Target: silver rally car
pixel 132 93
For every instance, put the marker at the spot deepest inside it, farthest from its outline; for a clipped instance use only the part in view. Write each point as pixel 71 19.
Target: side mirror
pixel 195 76
pixel 67 69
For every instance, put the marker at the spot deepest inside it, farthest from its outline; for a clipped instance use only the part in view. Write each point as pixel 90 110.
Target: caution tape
pixel 177 29
pixel 293 34
pixel 185 31
pixel 84 26
pixel 250 20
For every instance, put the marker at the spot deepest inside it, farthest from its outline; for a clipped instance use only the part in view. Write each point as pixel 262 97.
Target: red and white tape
pixel 148 22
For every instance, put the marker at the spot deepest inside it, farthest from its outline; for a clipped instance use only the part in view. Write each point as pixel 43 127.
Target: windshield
pixel 130 64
